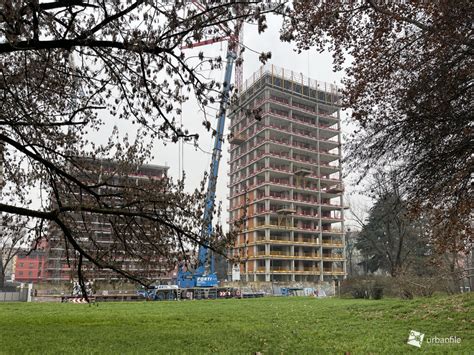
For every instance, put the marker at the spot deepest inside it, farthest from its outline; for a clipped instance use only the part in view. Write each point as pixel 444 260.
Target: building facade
pixel 29 266
pixel 285 179
pixel 61 265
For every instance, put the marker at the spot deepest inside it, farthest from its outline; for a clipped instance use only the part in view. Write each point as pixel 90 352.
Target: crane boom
pixel 205 276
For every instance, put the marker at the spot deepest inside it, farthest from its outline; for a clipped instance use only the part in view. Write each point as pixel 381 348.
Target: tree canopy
pixel 390 240
pixel 69 66
pixel 409 85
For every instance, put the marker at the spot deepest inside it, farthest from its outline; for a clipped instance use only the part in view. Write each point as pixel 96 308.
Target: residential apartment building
pixel 285 179
pixel 29 266
pixel 59 269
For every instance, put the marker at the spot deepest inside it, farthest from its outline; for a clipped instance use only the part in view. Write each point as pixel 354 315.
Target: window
pixel 20 273
pixel 20 264
pixel 30 273
pixel 31 265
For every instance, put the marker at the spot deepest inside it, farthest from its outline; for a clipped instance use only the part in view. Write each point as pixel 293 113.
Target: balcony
pixel 287 241
pixel 306 241
pixel 282 270
pixel 274 241
pixel 334 271
pixel 307 256
pixel 335 205
pixel 274 253
pixel 332 231
pixel 277 227
pixel 332 257
pixel 237 139
pixel 332 218
pixel 333 243
pixel 335 189
pixel 280 254
pixel 308 270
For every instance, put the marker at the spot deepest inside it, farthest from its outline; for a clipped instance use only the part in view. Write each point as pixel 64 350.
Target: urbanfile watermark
pixel 416 339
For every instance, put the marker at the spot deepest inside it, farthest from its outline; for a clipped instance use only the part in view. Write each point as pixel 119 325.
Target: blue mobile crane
pixel 204 274
pixel 202 281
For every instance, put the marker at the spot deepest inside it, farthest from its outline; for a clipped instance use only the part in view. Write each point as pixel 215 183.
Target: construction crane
pixel 204 274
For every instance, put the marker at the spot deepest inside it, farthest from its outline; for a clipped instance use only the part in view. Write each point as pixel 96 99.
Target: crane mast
pixel 204 275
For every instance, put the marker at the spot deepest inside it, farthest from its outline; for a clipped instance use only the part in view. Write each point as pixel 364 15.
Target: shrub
pixel 417 286
pixel 377 292
pixel 365 287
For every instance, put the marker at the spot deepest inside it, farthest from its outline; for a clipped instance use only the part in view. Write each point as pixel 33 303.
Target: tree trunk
pixel 349 257
pixel 2 276
pixel 455 273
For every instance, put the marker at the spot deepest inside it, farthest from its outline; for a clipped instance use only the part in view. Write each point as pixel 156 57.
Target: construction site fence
pixel 276 288
pixel 14 296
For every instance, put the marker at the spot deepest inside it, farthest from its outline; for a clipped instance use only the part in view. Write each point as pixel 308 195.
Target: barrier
pixel 14 296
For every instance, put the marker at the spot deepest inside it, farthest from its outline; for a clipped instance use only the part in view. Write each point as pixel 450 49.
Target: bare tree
pixel 358 210
pixel 409 85
pixel 69 66
pixel 13 236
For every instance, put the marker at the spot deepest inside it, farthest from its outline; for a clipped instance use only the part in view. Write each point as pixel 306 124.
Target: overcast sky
pixel 311 64
pixel 196 161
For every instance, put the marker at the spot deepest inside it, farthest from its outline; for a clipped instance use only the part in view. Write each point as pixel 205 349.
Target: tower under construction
pixel 285 178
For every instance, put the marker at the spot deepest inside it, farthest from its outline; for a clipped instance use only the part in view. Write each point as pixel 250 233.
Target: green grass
pixel 270 325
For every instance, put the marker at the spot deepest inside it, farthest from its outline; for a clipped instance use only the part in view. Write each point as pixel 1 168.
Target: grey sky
pixel 194 161
pixel 312 64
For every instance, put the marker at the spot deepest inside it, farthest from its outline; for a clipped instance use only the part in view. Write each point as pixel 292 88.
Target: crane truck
pixel 201 281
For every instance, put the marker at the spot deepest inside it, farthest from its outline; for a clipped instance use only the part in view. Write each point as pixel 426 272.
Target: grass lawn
pixel 270 325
